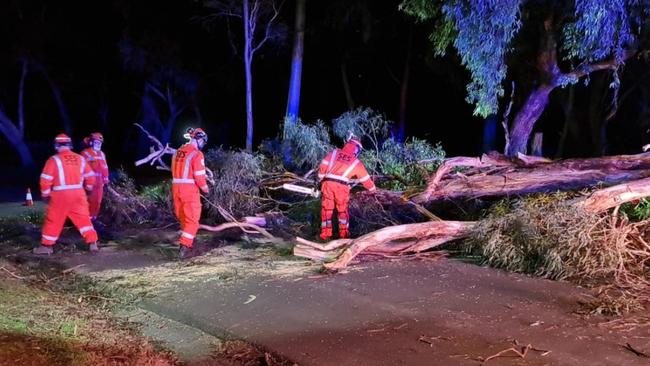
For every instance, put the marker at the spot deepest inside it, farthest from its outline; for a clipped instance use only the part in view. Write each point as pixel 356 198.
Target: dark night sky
pixel 77 42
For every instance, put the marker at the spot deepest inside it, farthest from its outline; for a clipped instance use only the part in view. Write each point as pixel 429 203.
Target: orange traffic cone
pixel 28 198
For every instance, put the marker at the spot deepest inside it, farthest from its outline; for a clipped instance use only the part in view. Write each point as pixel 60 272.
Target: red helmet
pixel 355 141
pixel 196 133
pixel 94 136
pixel 353 146
pixel 62 138
pixel 97 136
pixel 62 141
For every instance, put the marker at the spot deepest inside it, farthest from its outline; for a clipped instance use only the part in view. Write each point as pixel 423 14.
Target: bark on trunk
pixel 495 175
pixel 58 98
pixel 15 138
pixel 611 197
pixel 15 135
pixel 403 95
pixel 410 238
pixel 550 77
pixel 524 122
pixel 293 100
pixel 248 61
pixel 489 134
pixel 538 145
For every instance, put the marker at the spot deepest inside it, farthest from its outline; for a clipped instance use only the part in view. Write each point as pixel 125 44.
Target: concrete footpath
pixel 405 313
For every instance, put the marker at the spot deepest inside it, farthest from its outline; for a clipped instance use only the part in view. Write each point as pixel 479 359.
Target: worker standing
pixel 189 179
pixel 62 182
pixel 97 161
pixel 336 174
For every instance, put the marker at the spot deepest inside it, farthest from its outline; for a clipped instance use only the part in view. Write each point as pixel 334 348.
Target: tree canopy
pixel 483 32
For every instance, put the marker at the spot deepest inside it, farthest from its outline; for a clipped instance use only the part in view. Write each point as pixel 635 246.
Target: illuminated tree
pixel 254 14
pixel 593 35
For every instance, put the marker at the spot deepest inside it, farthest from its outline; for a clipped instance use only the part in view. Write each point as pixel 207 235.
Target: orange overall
pixel 337 172
pixel 63 180
pixel 97 162
pixel 188 172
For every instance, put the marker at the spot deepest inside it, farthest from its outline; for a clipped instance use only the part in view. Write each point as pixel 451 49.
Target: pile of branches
pixel 543 236
pixel 372 212
pixel 236 185
pixel 125 206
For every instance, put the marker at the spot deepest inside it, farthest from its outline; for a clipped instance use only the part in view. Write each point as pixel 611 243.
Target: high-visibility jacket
pixel 66 171
pixel 343 167
pixel 97 162
pixel 188 168
pixel 188 176
pixel 64 178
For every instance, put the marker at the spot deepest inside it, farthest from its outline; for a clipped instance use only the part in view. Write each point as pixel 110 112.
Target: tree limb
pixel 586 69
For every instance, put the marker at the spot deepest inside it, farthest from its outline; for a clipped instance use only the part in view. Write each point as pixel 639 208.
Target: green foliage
pixel 483 30
pixel 368 125
pixel 403 162
pixel 637 211
pixel 444 31
pixel 34 217
pixel 158 194
pixel 306 144
pixel 602 29
pixel 421 9
pixel 307 212
pixel 542 235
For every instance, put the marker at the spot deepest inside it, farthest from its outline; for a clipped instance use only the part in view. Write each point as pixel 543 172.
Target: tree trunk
pixel 415 238
pixel 58 98
pixel 346 86
pixel 21 100
pixel 16 135
pixel 409 238
pixel 248 61
pixel 607 198
pixel 293 100
pixel 15 138
pixel 403 95
pixel 495 176
pixel 489 133
pixel 538 145
pixel 525 120
pixel 550 78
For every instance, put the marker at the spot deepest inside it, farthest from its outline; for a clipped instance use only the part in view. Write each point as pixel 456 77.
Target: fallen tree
pixel 400 239
pixel 495 175
pixel 516 176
